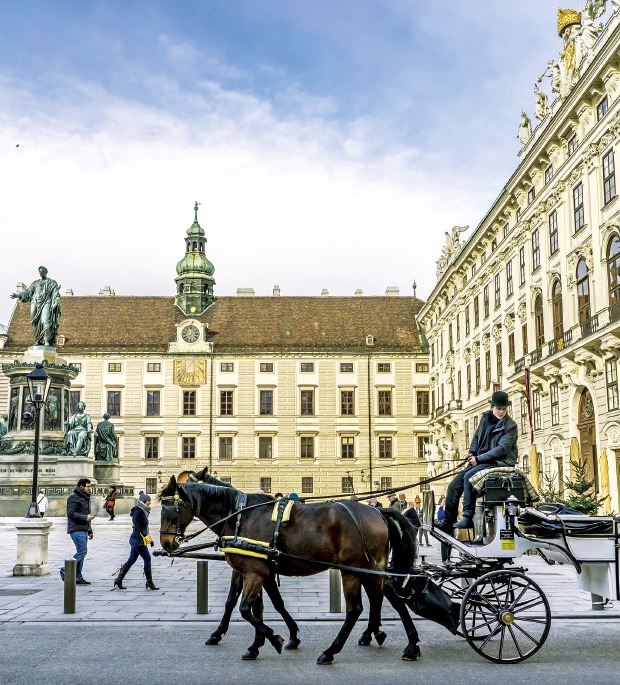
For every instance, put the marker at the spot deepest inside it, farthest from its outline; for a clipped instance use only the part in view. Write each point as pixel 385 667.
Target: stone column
pixel 32 538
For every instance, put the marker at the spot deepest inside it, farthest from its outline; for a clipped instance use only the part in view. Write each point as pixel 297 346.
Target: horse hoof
pixel 365 640
pixel 293 643
pixel 249 655
pixel 412 654
pixel 325 659
pixel 213 640
pixel 380 637
pixel 277 643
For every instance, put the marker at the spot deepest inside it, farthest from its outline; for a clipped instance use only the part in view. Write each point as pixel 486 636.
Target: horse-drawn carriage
pixel 480 594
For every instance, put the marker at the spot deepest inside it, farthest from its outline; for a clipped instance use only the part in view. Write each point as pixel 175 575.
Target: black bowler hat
pixel 500 399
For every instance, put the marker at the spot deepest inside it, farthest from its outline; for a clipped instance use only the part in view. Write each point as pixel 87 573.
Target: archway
pixel 586 423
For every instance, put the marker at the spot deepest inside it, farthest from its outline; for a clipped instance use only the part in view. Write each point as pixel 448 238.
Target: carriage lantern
pixel 38 386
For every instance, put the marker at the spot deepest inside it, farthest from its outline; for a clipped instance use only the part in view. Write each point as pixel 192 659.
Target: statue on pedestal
pixel 525 128
pixel 78 431
pixel 106 442
pixel 4 426
pixel 44 297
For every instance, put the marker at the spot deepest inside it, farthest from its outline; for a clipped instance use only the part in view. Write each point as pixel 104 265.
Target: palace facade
pixel 530 303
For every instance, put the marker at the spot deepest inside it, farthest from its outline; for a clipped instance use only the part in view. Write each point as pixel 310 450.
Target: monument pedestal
pixel 32 538
pixel 107 473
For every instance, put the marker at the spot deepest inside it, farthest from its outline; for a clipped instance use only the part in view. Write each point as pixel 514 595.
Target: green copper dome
pixel 195 263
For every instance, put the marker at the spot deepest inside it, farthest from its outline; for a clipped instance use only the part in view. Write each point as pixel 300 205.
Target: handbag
pixel 146 539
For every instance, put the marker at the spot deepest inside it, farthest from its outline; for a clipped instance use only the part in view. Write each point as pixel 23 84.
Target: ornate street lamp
pixel 38 385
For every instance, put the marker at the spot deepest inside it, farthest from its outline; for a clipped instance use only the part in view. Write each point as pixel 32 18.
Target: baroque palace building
pixel 530 303
pixel 314 395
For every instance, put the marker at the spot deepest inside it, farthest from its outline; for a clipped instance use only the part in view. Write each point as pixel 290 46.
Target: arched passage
pixel 586 423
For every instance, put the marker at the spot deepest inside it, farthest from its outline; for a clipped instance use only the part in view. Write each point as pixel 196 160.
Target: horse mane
pixel 253 498
pixel 198 492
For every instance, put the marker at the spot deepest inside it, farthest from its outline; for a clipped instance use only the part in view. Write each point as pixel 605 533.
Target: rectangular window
pixel 518 214
pixel 524 338
pixel 385 403
pixel 468 381
pixel 498 361
pixel 578 207
pixel 459 385
pixel 421 368
pixel 114 402
pixel 307 402
pixel 531 194
pixel 265 484
pixel 572 145
pixel 522 265
pixel 422 441
pixel 611 376
pixel 554 393
pixel 265 447
pixel 536 410
pixel 483 258
pixel 347 402
pixel 493 245
pixel 266 403
pixel 498 294
pixel 385 447
pixel 115 367
pixel 467 434
pixel 151 450
pixel 487 369
pixel 548 174
pixel 77 365
pixel 467 328
pixel 609 177
pixel 226 447
pixel 473 270
pixel 386 482
pixel 477 367
pixel 307 367
pixel 189 403
pixel 485 300
pixel 601 108
pixel 554 243
pixel 384 367
pixel 509 283
pixel 475 422
pixel 422 404
pixel 476 312
pixel 306 444
pixel 226 402
pixel 506 230
pixel 152 402
pixel 266 367
pixel 511 348
pixel 346 367
pixel 74 398
pixel 347 485
pixel 227 367
pixel 151 486
pixel 535 249
pixel 153 367
pixel 457 324
pixel 188 448
pixel 347 447
pixel 450 339
pixel 307 484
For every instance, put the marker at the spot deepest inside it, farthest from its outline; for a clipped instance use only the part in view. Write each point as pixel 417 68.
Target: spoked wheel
pixel 505 617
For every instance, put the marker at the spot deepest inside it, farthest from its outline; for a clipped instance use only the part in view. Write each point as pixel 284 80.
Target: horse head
pixel 176 514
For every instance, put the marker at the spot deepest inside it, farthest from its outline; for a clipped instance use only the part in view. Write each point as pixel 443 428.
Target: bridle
pixel 178 503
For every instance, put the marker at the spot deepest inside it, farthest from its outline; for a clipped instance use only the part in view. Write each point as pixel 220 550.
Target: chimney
pixel 392 291
pixel 106 292
pixel 68 292
pixel 276 291
pixel 245 292
pixel 359 291
pixel 325 292
pixel 20 287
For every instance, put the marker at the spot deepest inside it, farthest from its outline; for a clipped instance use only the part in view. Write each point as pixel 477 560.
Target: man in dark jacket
pixel 78 526
pixel 494 444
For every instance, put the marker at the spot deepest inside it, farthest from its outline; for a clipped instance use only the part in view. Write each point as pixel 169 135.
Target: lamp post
pixel 38 385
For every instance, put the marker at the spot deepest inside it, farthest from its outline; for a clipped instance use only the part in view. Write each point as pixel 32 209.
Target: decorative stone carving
pixel 467 355
pixel 584 251
pixel 496 332
pixel 592 362
pixel 525 129
pixel 610 346
pixel 450 249
pixel 476 348
pixel 556 446
pixel 541 108
pixel 522 312
pixel 535 291
pixel 570 372
pixel 612 432
pixel 509 322
pixel 486 341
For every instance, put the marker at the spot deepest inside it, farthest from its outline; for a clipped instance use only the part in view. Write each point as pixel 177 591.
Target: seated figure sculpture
pixel 78 431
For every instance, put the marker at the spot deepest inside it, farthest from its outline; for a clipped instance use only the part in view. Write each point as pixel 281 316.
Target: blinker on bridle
pixel 178 535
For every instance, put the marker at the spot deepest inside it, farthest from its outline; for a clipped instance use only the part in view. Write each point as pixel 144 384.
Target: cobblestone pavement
pixel 36 599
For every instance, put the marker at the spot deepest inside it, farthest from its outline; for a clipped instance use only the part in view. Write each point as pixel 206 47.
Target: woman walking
pixel 110 502
pixel 138 542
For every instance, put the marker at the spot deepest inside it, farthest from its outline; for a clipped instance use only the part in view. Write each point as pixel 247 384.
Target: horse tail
pixel 403 540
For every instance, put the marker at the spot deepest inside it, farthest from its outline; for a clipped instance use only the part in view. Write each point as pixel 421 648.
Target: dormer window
pixel 370 340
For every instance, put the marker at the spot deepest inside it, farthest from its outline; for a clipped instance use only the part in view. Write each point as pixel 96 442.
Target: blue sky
pixel 330 144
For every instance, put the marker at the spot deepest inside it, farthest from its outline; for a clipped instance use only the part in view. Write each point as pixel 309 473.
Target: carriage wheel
pixel 505 617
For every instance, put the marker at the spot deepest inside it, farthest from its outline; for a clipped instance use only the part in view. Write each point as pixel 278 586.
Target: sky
pixel 329 143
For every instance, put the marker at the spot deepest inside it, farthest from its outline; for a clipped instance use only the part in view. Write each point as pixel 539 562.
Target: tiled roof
pixel 238 324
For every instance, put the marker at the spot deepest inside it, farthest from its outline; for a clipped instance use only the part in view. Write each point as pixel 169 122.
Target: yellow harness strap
pixel 246 552
pixel 286 514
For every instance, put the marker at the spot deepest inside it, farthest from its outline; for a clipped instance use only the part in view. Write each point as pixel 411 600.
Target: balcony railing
pixel 519 365
pixel 561 342
pixel 589 326
pixel 536 355
pixel 614 312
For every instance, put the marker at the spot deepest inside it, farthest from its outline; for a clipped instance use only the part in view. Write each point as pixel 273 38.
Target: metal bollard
pixel 202 587
pixel 70 572
pixel 335 591
pixel 597 602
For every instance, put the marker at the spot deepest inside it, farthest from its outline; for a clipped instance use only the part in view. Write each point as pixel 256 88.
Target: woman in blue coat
pixel 138 543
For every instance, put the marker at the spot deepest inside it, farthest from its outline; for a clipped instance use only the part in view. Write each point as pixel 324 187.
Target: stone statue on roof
pixel 525 129
pixel 542 103
pixel 106 442
pixel 44 297
pixel 450 248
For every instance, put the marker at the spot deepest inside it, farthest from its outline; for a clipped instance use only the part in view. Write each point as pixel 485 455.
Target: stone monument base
pixel 32 537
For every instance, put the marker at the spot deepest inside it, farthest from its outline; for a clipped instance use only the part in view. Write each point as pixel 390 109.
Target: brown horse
pixel 345 533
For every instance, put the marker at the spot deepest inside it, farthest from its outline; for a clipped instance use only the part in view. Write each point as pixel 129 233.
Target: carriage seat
pixel 497 484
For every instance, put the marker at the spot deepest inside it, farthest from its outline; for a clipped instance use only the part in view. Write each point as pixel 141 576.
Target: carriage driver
pixel 494 444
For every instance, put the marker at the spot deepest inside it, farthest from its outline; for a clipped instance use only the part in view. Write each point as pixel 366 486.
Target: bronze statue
pixel 106 442
pixel 78 431
pixel 4 426
pixel 44 297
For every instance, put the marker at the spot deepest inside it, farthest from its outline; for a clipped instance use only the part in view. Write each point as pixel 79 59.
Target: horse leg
pixel 236 586
pixel 252 586
pixel 375 599
pixel 412 651
pixel 251 652
pixel 352 588
pixel 271 587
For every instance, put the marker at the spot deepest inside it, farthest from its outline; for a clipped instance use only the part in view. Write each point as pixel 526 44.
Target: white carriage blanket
pixel 479 479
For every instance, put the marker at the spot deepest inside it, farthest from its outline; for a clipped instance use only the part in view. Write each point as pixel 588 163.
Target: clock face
pixel 190 334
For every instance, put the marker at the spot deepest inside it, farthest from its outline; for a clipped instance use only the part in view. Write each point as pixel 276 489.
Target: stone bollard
pixel 335 591
pixel 598 602
pixel 202 587
pixel 70 587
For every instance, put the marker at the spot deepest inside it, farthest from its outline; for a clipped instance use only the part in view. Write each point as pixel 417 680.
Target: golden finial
pixel 567 18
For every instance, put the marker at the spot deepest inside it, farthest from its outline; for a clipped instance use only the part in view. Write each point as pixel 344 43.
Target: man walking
pixel 79 527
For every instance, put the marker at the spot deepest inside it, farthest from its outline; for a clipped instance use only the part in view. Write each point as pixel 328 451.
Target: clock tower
pixel 194 273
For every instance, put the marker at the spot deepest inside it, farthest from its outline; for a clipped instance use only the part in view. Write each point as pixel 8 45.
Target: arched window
pixel 181 288
pixel 556 302
pixel 583 291
pixel 613 273
pixel 539 321
pixel 195 246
